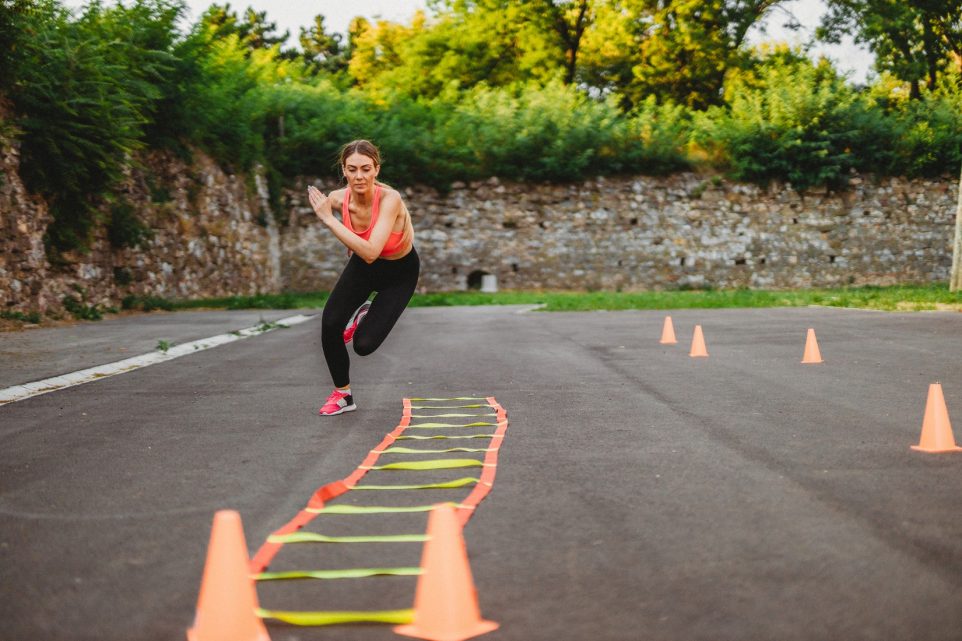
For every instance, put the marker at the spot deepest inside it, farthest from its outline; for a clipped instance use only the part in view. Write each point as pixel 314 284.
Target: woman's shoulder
pixel 388 193
pixel 337 196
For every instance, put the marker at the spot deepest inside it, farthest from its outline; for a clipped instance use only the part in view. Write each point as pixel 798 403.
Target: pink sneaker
pixel 338 403
pixel 355 321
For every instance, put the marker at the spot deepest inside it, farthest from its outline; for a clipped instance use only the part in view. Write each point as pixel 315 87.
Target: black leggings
pixel 393 280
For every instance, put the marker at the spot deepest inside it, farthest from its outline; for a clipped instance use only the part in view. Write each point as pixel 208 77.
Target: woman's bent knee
pixel 364 346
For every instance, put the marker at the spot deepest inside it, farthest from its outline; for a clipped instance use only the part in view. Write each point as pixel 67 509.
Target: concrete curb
pixel 35 388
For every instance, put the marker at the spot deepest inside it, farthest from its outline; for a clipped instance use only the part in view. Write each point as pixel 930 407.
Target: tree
pixel 690 45
pixel 465 44
pixel 323 50
pixel 913 39
pixel 568 19
pixel 254 30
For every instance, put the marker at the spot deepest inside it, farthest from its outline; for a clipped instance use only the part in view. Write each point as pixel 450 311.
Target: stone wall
pixel 24 282
pixel 656 233
pixel 210 234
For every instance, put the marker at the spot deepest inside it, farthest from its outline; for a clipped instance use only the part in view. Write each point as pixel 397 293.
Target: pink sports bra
pixel 393 241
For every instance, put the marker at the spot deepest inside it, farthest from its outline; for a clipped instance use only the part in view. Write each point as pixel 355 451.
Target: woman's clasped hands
pixel 320 202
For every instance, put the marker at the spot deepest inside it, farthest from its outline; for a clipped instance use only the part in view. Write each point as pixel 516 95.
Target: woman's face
pixel 360 172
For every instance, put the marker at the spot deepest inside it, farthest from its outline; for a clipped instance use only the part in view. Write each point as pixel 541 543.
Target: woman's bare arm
pixel 370 249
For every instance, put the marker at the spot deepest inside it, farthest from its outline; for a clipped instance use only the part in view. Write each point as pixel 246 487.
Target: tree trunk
pixel 955 278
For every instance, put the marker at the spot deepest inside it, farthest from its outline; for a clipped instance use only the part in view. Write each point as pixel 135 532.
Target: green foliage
pixel 554 133
pixel 791 120
pixel 145 303
pixel 557 133
pixel 659 135
pixel 28 317
pixel 226 111
pixel 913 39
pixel 254 30
pixel 79 309
pixel 323 51
pixel 124 228
pixel 540 90
pixel 288 300
pixel 523 132
pixel 924 135
pixel 84 89
pixel 494 42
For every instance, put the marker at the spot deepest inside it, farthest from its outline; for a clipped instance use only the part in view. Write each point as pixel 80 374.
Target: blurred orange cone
pixel 668 333
pixel 811 355
pixel 698 343
pixel 445 603
pixel 936 428
pixel 227 602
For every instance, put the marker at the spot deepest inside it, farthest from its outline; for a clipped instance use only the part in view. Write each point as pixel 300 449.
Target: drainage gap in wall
pixel 475 278
pixel 682 261
pixel 740 261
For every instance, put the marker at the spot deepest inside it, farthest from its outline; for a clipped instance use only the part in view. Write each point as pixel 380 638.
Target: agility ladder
pixel 486 415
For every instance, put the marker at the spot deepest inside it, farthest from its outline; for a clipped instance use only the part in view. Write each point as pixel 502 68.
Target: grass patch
pixel 259 301
pixel 896 298
pixel 146 303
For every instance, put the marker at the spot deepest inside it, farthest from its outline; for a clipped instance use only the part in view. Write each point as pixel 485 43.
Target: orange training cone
pixel 227 602
pixel 936 428
pixel 811 355
pixel 668 333
pixel 698 343
pixel 445 603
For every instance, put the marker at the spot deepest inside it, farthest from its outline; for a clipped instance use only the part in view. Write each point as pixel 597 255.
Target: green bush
pixel 145 303
pixel 83 89
pixel 535 133
pixel 124 228
pixel 225 107
pixel 658 139
pixel 794 120
pixel 318 118
pixel 80 310
pixel 925 135
pixel 525 132
pixel 28 317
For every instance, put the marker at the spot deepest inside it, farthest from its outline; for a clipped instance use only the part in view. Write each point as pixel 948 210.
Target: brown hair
pixel 363 147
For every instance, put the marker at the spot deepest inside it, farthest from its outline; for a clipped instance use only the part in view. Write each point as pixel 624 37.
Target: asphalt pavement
pixel 640 493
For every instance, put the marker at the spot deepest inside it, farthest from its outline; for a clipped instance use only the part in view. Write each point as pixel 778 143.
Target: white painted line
pixel 20 392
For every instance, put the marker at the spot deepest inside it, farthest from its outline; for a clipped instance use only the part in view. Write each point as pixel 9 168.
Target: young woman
pixel 376 228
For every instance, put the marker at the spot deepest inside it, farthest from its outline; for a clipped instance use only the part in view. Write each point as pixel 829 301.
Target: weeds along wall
pixel 209 233
pixel 680 231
